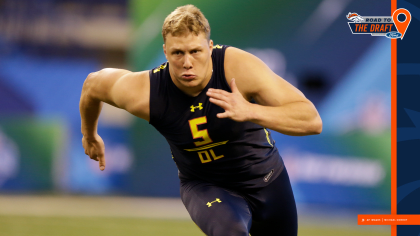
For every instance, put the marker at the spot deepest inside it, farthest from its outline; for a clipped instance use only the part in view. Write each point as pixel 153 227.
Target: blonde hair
pixel 186 19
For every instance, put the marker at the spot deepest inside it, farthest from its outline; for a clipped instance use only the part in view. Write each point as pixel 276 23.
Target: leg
pixel 274 209
pixel 216 211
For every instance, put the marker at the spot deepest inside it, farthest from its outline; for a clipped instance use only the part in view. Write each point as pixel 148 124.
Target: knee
pixel 230 227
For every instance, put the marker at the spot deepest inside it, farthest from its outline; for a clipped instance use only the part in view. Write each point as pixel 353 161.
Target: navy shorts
pixel 268 211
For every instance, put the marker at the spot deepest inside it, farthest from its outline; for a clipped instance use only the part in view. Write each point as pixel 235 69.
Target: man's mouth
pixel 188 76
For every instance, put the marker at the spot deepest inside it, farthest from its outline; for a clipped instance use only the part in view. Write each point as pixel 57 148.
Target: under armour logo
pixel 200 106
pixel 217 200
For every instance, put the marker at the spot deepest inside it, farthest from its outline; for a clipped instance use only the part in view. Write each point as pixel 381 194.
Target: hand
pixel 234 104
pixel 95 149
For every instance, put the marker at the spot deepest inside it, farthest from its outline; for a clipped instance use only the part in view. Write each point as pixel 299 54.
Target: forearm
pixel 89 112
pixel 90 107
pixel 297 118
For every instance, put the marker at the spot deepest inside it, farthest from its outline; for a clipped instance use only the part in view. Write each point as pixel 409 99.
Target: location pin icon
pixel 401 26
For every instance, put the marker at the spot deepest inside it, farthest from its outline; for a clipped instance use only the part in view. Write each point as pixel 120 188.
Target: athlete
pixel 213 104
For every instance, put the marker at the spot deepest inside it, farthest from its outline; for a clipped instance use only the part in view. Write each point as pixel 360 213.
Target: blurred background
pixel 48 47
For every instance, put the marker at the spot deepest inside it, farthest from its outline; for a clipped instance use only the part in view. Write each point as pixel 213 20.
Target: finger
pixel 233 86
pixel 217 96
pixel 222 115
pixel 84 147
pixel 94 157
pixel 220 103
pixel 101 162
pixel 218 91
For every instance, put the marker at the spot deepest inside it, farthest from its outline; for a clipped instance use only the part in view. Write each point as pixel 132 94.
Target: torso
pixel 221 151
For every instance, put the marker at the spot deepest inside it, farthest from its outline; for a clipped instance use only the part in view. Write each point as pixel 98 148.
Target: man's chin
pixel 189 83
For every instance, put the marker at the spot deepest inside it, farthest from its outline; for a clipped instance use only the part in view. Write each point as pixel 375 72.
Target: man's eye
pixel 194 51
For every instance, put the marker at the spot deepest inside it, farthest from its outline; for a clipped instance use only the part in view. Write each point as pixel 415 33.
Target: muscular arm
pixel 120 88
pixel 281 107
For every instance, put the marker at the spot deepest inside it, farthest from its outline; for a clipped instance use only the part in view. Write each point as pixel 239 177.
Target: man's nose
pixel 187 62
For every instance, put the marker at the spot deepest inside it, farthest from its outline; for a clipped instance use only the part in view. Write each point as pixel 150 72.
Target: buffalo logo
pixel 355 17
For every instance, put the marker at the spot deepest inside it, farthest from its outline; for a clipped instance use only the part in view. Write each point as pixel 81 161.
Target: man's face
pixel 189 57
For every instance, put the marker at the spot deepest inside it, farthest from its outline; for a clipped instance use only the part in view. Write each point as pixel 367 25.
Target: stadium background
pixel 48 47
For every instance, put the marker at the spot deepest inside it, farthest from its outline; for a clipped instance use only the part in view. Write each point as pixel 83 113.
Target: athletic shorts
pixel 268 211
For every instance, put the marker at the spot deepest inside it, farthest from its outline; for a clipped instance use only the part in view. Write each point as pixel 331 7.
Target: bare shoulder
pixel 249 71
pixel 256 80
pixel 236 60
pixel 242 66
pixel 131 91
pixel 135 78
pixel 121 77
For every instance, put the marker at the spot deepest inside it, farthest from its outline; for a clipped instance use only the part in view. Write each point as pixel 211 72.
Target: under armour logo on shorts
pixel 217 200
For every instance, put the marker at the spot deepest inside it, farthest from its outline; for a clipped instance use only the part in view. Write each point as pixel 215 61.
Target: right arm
pixel 120 88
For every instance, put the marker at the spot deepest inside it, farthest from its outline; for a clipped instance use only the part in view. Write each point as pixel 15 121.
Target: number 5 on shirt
pixel 203 155
pixel 199 133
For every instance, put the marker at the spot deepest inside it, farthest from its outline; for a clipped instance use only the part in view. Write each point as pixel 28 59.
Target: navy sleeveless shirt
pixel 230 154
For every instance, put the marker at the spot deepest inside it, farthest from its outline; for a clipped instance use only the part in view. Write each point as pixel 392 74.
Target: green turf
pixel 102 226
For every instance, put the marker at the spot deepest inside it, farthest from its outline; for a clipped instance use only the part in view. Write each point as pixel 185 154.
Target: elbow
pixel 90 82
pixel 316 126
pixel 319 126
pixel 89 87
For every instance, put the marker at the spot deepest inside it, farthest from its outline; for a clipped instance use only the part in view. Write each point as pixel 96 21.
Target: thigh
pixel 216 211
pixel 274 209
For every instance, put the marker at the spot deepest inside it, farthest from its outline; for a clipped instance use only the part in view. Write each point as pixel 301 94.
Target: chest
pixel 189 122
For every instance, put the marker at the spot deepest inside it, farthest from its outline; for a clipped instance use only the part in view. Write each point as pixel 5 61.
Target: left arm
pixel 281 106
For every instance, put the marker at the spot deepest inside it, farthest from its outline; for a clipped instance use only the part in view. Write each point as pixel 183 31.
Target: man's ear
pixel 211 46
pixel 164 51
